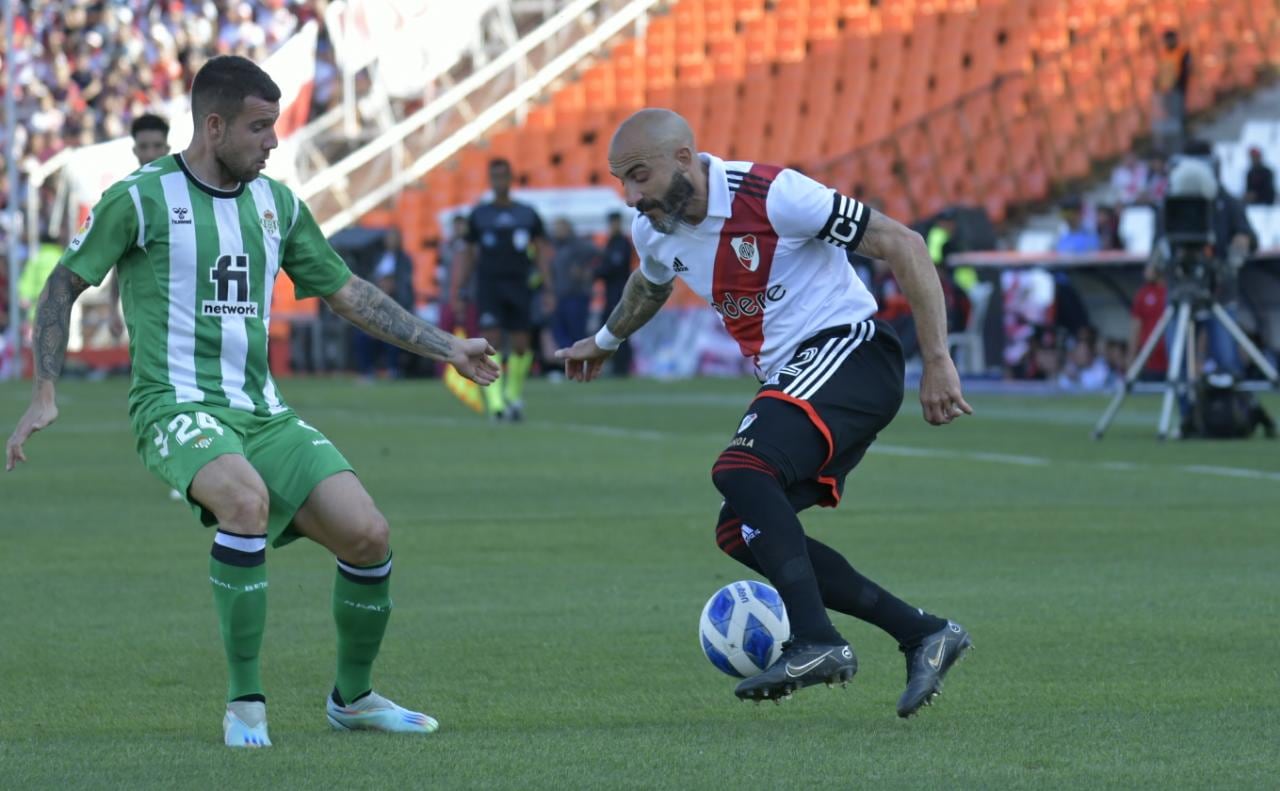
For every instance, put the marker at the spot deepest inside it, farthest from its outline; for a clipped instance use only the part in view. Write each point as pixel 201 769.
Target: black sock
pixel 842 587
pixel 776 540
pixel 847 591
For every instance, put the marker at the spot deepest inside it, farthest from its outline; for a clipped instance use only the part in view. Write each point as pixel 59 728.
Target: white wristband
pixel 607 340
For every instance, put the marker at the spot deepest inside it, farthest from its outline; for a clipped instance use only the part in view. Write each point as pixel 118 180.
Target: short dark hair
pixel 614 215
pixel 148 122
pixel 224 82
pixel 499 162
pixel 1196 147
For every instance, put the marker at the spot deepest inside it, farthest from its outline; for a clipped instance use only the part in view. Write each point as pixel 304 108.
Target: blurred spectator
pixel 1029 308
pixel 1148 307
pixel 1260 182
pixel 1157 179
pixel 1078 238
pixel 150 135
pixel 939 240
pixel 1173 70
pixel 85 70
pixel 1129 180
pixel 1108 222
pixel 1084 368
pixel 454 245
pixel 614 269
pixel 572 267
pixel 1116 353
pixel 394 275
pixel 35 273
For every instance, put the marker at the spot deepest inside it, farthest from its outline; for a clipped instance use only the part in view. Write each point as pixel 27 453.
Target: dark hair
pixel 499 162
pixel 148 122
pixel 1197 148
pixel 224 82
pixel 614 215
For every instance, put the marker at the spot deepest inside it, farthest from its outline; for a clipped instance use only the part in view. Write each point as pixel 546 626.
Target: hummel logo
pixel 935 662
pixel 180 215
pixel 796 672
pixel 679 266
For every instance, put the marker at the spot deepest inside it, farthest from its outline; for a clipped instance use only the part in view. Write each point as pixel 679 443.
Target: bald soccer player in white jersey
pixel 765 246
pixel 199 238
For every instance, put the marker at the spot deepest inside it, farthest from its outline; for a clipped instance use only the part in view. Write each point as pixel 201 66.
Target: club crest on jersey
pixel 269 223
pixel 747 250
pixel 82 232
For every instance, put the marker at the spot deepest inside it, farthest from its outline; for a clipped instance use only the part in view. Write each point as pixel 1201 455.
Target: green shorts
pixel 291 456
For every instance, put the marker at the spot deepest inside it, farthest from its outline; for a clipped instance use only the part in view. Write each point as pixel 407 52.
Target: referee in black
pixel 508 250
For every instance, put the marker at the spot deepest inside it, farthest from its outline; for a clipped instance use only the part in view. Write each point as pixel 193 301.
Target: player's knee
pixel 370 539
pixel 737 471
pixel 245 510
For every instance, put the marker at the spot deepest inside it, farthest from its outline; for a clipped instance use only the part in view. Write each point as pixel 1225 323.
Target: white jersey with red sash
pixel 769 257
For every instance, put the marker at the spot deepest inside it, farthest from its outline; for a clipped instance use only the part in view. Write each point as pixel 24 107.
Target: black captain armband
pixel 848 222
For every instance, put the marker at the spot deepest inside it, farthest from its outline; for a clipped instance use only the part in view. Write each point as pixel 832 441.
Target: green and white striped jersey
pixel 197 266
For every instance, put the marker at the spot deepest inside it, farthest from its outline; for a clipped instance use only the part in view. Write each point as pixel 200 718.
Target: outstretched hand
pixel 473 357
pixel 39 415
pixel 940 395
pixel 583 360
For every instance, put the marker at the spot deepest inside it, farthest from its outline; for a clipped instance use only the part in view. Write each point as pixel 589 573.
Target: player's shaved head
pixel 654 156
pixel 648 132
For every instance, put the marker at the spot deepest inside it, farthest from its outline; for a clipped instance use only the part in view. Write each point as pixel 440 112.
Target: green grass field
pixel 1122 597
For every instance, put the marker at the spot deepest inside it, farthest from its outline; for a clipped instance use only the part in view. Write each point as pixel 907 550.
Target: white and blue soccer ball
pixel 743 627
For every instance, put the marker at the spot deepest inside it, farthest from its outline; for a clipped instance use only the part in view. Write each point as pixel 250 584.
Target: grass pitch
pixel 1122 597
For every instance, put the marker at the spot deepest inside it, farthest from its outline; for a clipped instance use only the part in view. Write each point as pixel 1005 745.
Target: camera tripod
pixel 1185 297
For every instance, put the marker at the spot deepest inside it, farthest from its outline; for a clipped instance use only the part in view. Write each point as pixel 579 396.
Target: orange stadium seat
pixel 747 10
pixel 918 102
pixel 761 39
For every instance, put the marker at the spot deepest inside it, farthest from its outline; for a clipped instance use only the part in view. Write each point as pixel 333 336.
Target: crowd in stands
pixel 84 69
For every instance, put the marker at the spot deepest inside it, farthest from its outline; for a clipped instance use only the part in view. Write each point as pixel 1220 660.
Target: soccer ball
pixel 743 627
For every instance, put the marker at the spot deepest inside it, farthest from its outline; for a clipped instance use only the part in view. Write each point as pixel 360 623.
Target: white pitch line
pixel 651 435
pixel 1231 472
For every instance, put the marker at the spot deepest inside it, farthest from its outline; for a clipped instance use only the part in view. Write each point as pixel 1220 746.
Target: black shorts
pixel 815 419
pixel 505 304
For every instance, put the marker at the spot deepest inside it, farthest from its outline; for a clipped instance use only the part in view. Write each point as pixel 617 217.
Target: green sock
pixel 361 609
pixel 518 366
pixel 238 572
pixel 493 399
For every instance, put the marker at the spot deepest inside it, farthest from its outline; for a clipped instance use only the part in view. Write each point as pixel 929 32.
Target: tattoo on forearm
pixel 641 299
pixel 370 309
pixel 53 320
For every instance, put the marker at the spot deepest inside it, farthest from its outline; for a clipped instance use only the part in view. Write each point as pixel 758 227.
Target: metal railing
pixel 378 170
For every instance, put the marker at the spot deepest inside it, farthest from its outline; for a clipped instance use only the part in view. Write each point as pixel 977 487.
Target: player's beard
pixel 241 172
pixel 673 203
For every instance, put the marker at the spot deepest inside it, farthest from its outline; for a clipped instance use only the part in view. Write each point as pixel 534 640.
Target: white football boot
pixel 245 724
pixel 375 713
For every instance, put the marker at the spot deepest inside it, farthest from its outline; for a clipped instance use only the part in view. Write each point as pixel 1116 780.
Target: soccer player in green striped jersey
pixel 198 239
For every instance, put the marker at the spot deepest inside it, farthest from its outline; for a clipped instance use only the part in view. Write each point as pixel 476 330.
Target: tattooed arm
pixel 641 299
pixel 908 257
pixel 372 310
pixel 49 349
